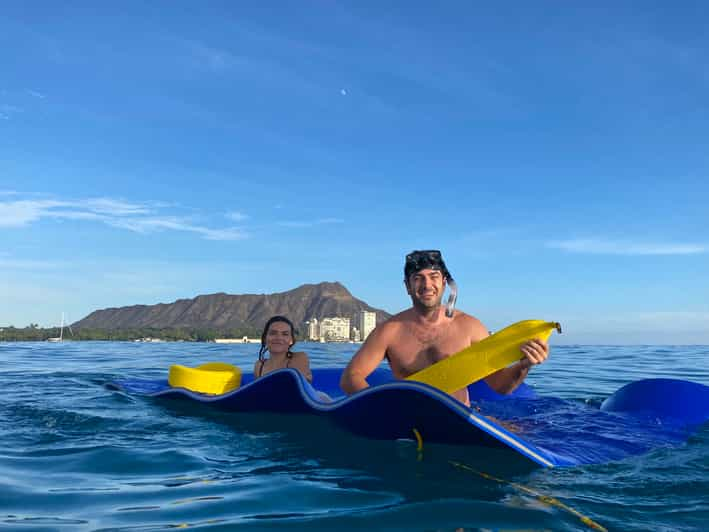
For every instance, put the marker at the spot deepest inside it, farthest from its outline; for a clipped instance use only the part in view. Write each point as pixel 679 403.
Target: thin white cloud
pixel 113 207
pixel 149 225
pixel 75 215
pixel 36 94
pixel 215 59
pixel 311 223
pixel 229 233
pixel 236 216
pixel 25 265
pixel 611 247
pixel 24 212
pixel 137 217
pixel 258 68
pixel 7 111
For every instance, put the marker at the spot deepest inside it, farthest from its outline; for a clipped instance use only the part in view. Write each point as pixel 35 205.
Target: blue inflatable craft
pixel 545 431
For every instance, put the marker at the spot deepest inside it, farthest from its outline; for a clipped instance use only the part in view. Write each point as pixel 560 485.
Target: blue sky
pixel 555 152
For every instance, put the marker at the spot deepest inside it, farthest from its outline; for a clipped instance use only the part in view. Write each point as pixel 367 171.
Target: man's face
pixel 426 288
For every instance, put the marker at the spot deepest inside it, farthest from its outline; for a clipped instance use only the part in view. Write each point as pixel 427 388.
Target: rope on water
pixel 551 501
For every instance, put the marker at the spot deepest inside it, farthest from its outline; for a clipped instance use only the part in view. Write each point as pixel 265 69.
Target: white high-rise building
pixel 335 329
pixel 366 322
pixel 313 328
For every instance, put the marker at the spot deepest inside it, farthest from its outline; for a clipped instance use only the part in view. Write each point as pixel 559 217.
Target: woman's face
pixel 279 338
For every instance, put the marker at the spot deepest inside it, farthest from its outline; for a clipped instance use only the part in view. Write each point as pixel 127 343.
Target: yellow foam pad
pixel 485 357
pixel 213 377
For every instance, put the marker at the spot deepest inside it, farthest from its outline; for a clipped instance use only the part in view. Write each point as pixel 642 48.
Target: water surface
pixel 77 456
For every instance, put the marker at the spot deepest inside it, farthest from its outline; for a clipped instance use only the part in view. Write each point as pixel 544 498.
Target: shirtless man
pixel 428 332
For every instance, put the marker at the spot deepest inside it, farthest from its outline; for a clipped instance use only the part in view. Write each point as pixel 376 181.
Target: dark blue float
pixel 547 431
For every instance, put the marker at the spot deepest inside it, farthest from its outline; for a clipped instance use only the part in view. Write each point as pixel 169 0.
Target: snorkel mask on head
pixel 431 259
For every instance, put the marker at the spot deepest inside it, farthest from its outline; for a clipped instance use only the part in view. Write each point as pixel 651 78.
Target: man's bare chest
pixel 417 348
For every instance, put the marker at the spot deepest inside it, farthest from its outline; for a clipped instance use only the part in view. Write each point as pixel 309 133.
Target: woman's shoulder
pixel 299 354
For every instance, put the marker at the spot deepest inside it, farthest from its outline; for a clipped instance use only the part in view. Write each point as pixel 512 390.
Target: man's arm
pixel 365 361
pixel 508 379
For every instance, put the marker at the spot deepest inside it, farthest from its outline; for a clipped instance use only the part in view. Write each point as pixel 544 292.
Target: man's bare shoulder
pixel 470 323
pixel 388 330
pixel 392 325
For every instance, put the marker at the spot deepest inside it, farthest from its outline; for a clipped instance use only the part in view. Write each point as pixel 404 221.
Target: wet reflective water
pixel 77 456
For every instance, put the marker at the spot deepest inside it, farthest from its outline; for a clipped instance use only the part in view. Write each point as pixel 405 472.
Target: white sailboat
pixel 59 338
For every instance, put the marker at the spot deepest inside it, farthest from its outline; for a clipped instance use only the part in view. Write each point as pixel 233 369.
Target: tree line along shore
pixel 33 333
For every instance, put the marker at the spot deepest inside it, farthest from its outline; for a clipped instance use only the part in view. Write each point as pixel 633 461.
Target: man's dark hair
pixel 419 260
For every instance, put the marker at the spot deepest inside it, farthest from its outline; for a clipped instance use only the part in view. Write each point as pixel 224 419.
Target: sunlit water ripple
pixel 77 456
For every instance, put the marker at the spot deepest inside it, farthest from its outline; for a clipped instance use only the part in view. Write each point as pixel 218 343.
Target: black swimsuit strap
pixel 289 357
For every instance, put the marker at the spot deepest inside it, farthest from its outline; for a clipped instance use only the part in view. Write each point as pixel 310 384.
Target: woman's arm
pixel 301 362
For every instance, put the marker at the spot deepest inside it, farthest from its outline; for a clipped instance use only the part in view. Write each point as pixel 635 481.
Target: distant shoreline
pixel 139 335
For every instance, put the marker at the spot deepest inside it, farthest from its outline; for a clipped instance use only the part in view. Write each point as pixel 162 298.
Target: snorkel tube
pixel 452 296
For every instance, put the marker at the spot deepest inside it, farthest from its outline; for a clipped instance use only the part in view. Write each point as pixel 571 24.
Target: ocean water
pixel 75 455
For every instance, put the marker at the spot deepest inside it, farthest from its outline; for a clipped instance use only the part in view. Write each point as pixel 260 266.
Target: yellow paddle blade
pixel 485 357
pixel 213 377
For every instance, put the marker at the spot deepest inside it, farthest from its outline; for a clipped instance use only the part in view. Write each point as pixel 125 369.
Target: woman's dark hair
pixel 270 322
